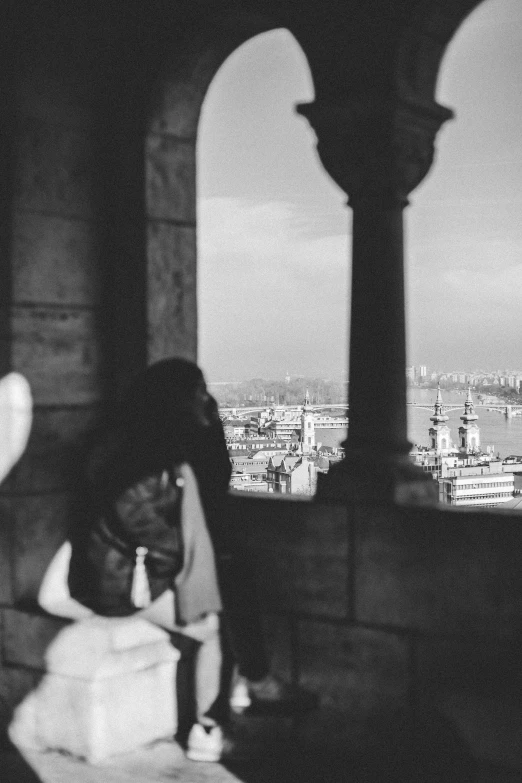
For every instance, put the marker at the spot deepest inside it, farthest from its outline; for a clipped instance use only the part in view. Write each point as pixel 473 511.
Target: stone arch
pixel 423 43
pixel 171 136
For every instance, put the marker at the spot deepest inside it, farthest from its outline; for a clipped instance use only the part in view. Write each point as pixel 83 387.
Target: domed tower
pixel 307 426
pixel 469 432
pixel 439 433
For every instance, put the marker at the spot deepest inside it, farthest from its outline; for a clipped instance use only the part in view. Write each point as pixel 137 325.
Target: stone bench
pixel 108 688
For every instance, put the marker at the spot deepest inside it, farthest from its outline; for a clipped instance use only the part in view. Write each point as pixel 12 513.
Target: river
pixel 495 430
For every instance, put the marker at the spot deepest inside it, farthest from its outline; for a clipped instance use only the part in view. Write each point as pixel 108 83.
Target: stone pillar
pixel 170 174
pixel 377 148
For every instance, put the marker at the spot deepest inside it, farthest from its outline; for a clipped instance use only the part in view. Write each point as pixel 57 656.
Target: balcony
pixel 405 618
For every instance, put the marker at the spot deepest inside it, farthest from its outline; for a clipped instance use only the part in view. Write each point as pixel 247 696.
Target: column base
pixel 367 478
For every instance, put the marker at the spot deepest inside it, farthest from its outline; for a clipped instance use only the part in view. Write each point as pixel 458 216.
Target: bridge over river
pixel 240 411
pixel 508 410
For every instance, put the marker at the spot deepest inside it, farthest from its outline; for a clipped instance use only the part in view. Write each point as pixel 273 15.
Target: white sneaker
pixel 239 696
pixel 205 743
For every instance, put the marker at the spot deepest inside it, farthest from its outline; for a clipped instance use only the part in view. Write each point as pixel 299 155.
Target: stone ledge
pixel 438 570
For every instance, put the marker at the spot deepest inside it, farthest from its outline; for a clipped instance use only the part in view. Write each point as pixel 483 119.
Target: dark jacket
pixel 153 428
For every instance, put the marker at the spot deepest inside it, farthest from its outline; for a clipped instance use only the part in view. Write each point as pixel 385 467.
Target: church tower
pixel 439 433
pixel 307 426
pixel 469 432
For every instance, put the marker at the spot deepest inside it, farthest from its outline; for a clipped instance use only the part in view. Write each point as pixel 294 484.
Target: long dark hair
pixel 154 425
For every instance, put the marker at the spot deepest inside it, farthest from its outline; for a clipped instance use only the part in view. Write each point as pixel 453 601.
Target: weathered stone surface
pixel 312 585
pixel 438 570
pixel 358 671
pixel 109 688
pixel 300 554
pixel 172 303
pixel 170 178
pixel 55 260
pixel 55 169
pixel 46 91
pixel 5 551
pixel 493 773
pixel 176 108
pixel 51 460
pixel 40 526
pixel 27 637
pixel 484 664
pixel 475 682
pixel 57 351
pixel 278 644
pixel 107 646
pixel 490 726
pixel 15 684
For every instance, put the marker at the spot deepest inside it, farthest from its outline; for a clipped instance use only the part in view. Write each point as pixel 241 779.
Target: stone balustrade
pixel 107 685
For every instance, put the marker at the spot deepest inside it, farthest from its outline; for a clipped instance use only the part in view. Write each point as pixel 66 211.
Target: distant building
pixel 283 428
pixel 288 425
pixel 236 428
pixel 254 467
pixel 484 485
pixel 467 476
pixel 293 475
pixel 246 483
pixel 307 439
pixel 440 436
pixel 255 444
pixel 469 434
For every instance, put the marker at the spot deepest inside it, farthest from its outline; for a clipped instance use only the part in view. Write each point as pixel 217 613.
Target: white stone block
pixel 109 688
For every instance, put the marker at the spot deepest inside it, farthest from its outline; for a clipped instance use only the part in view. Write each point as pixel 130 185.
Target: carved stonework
pixel 376 147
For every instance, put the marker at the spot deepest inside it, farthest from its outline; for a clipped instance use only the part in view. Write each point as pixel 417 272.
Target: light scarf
pixel 196 585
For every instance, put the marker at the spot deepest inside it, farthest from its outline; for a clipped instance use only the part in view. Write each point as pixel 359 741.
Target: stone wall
pixel 52 301
pixel 398 618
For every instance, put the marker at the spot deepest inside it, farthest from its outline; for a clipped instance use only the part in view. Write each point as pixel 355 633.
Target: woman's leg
pixel 208 660
pixel 207 667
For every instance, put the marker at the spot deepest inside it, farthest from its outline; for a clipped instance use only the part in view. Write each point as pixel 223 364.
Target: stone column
pixel 377 148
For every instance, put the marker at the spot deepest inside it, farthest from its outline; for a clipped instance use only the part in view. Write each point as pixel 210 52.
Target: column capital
pixel 376 147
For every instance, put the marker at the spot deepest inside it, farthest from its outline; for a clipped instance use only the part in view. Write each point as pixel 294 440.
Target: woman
pixel 143 547
pixel 155 541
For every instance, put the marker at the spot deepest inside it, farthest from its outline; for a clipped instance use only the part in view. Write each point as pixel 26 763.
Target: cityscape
pixel 291 389
pixel 497 381
pixel 279 445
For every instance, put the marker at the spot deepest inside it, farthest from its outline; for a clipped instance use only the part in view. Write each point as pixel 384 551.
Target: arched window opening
pixel 272 256
pixel 465 242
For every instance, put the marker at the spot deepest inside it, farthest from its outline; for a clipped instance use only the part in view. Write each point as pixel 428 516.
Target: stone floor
pixel 164 761
pixel 263 752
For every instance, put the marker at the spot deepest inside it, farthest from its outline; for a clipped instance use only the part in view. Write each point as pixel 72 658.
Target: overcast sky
pixel 273 232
